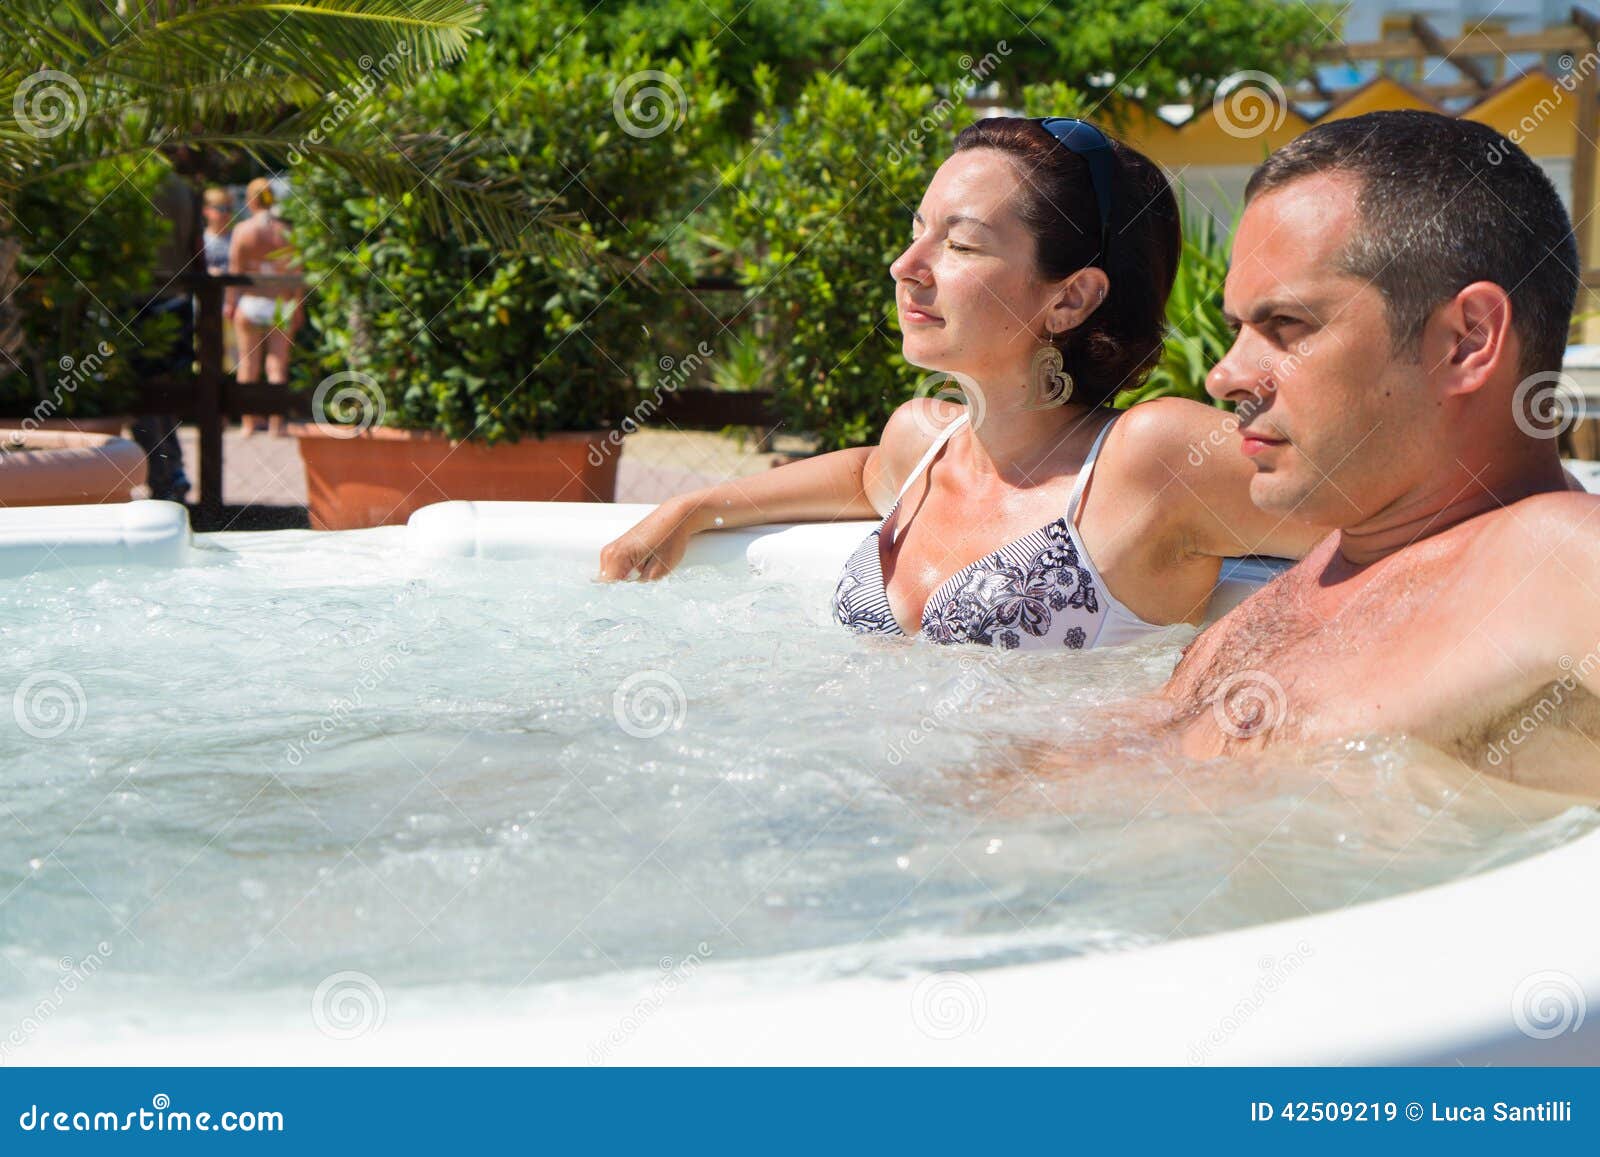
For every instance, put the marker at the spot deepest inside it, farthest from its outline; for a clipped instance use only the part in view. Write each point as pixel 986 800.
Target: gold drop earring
pixel 1049 384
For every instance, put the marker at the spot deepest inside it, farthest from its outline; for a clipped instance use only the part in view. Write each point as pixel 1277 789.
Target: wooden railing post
pixel 208 398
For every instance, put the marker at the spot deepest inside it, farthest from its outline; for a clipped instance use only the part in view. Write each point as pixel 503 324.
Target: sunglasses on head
pixel 1094 147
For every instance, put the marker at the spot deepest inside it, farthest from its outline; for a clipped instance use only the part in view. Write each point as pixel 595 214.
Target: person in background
pixel 264 323
pixel 218 209
pixel 179 256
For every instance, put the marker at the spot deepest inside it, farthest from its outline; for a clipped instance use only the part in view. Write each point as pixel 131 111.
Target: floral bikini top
pixel 1039 591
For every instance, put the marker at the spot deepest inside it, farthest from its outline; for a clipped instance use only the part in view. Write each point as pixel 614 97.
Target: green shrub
pixel 473 341
pixel 823 204
pixel 89 238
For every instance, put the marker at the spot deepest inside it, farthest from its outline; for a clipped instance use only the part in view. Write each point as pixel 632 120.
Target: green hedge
pixel 89 240
pixel 478 343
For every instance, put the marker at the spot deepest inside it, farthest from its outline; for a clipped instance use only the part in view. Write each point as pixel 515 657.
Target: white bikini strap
pixel 1085 471
pixel 938 444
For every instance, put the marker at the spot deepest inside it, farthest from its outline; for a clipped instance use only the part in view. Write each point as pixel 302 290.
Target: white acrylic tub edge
pixel 1499 968
pixel 810 554
pixel 143 532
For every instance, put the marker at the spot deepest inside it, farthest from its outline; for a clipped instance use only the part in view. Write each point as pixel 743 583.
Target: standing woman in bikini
pixel 1037 276
pixel 264 323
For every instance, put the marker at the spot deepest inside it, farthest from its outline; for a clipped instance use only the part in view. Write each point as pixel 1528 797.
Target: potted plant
pixel 460 368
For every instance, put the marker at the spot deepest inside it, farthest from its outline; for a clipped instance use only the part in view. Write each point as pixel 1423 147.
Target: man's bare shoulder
pixel 1545 549
pixel 1562 526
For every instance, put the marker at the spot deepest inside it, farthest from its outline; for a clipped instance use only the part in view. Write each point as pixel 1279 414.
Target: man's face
pixel 1329 415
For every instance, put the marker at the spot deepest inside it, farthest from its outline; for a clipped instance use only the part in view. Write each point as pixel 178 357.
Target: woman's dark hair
pixel 1120 342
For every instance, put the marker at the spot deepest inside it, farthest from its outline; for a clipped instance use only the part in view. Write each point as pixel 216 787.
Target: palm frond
pixel 92 74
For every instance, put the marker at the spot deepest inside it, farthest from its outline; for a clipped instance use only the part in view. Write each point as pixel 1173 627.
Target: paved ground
pixel 261 470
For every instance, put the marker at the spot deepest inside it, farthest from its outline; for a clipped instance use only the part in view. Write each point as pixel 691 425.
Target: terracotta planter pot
pixel 381 475
pixel 66 468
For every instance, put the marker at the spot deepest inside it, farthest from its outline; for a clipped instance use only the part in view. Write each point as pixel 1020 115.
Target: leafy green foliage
pixel 1152 50
pixel 259 76
pixel 822 206
pixel 93 235
pixel 472 340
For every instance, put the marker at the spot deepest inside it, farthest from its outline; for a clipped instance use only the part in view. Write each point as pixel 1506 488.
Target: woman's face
pixel 967 288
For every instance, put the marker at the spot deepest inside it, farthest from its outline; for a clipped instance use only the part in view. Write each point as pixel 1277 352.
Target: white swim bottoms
pixel 261 310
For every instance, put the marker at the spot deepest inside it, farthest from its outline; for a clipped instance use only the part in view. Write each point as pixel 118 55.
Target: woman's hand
pixel 654 546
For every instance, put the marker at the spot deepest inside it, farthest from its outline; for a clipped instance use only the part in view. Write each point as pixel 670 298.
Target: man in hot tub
pixel 1401 286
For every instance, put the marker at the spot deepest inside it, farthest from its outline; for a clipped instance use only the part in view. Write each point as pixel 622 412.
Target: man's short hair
pixel 1441 203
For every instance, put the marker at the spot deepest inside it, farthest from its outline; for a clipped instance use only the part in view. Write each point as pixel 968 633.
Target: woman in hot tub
pixel 1034 515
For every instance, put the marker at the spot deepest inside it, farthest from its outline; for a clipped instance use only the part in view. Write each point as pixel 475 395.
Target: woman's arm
pixel 1193 453
pixel 859 483
pixel 821 489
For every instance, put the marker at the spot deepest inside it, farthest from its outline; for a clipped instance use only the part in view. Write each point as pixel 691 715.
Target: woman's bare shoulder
pixel 911 429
